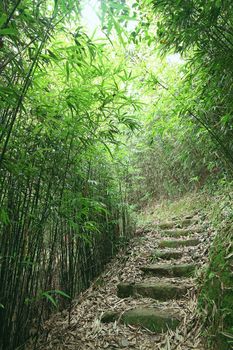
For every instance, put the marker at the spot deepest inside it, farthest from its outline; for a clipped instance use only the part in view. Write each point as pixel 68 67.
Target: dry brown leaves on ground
pixel 86 332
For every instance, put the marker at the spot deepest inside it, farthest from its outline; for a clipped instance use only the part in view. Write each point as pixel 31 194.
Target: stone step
pixel 167 225
pixel 167 254
pixel 167 270
pixel 188 221
pixel 177 223
pixel 154 319
pixel 159 291
pixel 178 232
pixel 175 243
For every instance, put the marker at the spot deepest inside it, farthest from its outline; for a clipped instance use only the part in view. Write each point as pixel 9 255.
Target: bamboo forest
pixel 116 174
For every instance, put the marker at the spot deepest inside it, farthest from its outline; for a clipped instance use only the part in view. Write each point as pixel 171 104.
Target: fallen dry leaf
pixel 86 332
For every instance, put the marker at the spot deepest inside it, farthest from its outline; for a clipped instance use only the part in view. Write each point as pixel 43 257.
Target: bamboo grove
pixel 188 126
pixel 63 213
pixel 92 127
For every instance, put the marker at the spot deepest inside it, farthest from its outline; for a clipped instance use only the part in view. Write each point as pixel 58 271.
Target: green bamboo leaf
pixel 53 55
pixel 3 19
pixel 50 298
pixel 8 31
pixel 4 218
pixel 60 292
pixel 67 71
pixel 119 29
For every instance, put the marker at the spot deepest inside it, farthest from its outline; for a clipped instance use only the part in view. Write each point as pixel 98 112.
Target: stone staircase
pixel 170 283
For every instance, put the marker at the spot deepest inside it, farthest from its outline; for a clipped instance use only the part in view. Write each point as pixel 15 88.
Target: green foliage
pixel 215 300
pixel 65 107
pixel 187 143
pixel 89 126
pixel 202 32
pixel 173 155
pixel 49 296
pixel 187 140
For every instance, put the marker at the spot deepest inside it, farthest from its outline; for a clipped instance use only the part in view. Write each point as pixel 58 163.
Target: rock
pixel 178 232
pixel 179 270
pixel 159 291
pixel 110 316
pixel 167 255
pixel 178 243
pixel 125 290
pixel 177 223
pixel 154 319
pixel 187 221
pixel 167 225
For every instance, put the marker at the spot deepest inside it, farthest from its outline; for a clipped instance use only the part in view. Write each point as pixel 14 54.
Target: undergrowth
pixel 215 299
pixel 168 209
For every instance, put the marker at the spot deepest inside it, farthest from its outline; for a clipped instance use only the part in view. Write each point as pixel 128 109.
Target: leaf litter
pixel 82 328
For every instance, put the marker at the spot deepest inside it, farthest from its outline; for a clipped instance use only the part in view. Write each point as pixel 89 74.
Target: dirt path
pixel 148 252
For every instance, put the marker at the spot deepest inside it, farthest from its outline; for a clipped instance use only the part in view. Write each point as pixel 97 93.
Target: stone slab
pixel 178 243
pixel 154 319
pixel 167 255
pixel 170 270
pixel 159 291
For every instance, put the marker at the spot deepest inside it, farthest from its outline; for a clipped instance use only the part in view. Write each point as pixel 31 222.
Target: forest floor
pixel 82 328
